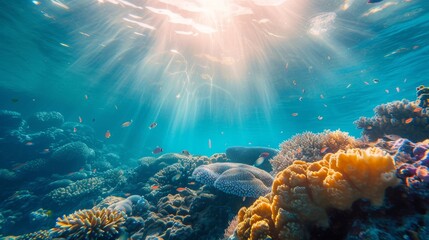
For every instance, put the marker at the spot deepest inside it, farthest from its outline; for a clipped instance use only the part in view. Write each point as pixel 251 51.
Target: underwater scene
pixel 214 120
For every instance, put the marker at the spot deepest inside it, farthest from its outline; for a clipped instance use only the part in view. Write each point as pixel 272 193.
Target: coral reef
pixel 90 224
pixel 235 178
pixel 413 166
pixel 43 120
pixel 404 118
pixel 85 188
pixel 9 120
pixel 310 147
pixel 303 192
pixel 129 204
pixel 70 157
pixel 423 97
pixel 248 155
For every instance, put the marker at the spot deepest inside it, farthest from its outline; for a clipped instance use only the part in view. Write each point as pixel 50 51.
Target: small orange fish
pixel 80 119
pixel 323 150
pixel 153 125
pixel 154 187
pixel 107 134
pixel 127 123
pixel 418 109
pixel 180 189
pixel 294 114
pixel 409 120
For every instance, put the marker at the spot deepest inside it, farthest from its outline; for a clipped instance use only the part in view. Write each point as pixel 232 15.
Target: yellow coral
pixel 302 192
pixel 90 224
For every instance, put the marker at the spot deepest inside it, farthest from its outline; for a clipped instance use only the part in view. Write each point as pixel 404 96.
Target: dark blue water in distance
pixel 110 67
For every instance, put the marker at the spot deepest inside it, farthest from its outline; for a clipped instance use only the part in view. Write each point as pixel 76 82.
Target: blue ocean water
pixel 45 75
pixel 290 68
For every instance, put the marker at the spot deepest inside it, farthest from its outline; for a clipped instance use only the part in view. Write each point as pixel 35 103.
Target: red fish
pixel 154 187
pixel 107 134
pixel 418 109
pixel 409 120
pixel 180 189
pixel 264 154
pixel 157 150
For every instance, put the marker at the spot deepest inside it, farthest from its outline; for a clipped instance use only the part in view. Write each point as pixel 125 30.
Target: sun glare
pixel 208 58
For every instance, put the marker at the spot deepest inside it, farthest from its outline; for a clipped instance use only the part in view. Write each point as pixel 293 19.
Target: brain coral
pixel 235 178
pixel 70 157
pixel 43 120
pixel 90 224
pixel 310 147
pixel 303 192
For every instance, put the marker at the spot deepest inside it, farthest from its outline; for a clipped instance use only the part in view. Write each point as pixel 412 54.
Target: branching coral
pixel 310 147
pixel 90 224
pixel 303 192
pixel 404 118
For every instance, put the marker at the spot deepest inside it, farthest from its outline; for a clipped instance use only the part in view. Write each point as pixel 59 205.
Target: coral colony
pixel 60 182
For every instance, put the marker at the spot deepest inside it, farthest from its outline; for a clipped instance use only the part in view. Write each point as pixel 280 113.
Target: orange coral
pixel 302 192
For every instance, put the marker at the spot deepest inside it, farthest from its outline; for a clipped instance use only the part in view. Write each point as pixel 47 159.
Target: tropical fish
pixel 418 109
pixel 392 137
pixel 29 143
pixel 210 143
pixel 186 153
pixel 74 129
pixel 259 161
pixel 176 177
pixel 180 189
pixel 409 120
pixel 398 89
pixel 320 118
pixel 153 125
pixel 86 97
pixel 157 150
pixel 80 119
pixel 127 123
pixel 107 134
pixel 375 80
pixel 324 149
pixel 294 114
pixel 154 187
pixel 300 99
pixel 264 154
pixel 374 1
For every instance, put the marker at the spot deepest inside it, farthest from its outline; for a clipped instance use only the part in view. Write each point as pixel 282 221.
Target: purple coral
pixel 235 178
